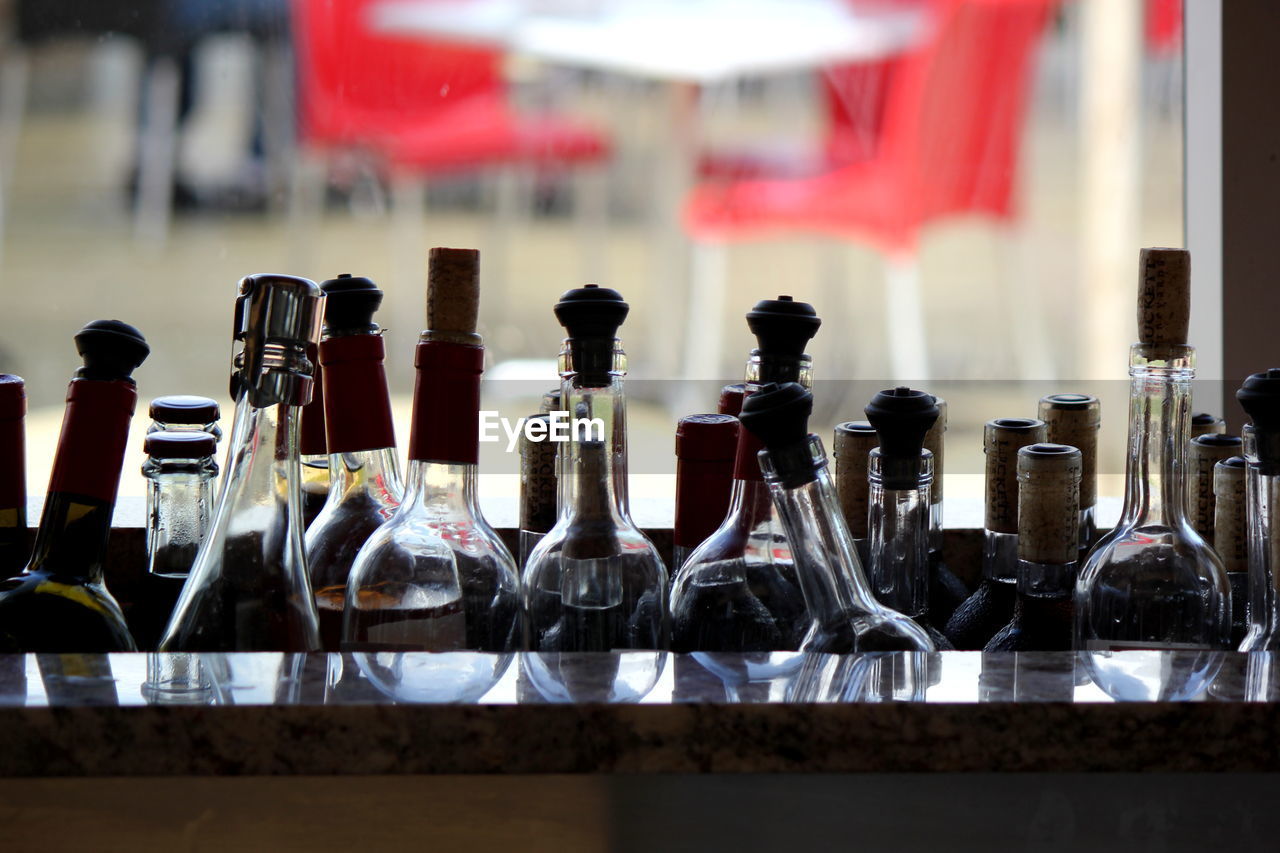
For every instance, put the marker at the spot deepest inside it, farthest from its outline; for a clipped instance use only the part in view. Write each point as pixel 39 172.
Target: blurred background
pixel 960 188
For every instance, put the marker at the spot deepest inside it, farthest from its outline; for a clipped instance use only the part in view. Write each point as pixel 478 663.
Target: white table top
pixel 695 41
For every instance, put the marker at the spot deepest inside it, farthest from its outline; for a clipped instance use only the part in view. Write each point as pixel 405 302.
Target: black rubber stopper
pixel 778 415
pixel 349 305
pixel 1259 396
pixel 111 350
pixel 783 328
pixel 179 445
pixel 901 417
pixel 591 315
pixel 184 409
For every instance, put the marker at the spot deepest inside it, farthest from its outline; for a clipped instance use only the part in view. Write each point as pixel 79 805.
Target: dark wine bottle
pixel 60 602
pixel 13 475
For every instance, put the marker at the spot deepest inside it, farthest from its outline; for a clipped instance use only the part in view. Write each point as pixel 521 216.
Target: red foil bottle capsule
pixel 705 449
pixel 13 474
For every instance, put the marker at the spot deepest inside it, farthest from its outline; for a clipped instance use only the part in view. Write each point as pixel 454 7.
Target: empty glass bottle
pixel 738 592
pixel 248 589
pixel 1048 547
pixel 180 471
pixel 436 577
pixel 1260 398
pixel 990 607
pixel 60 602
pixel 595 582
pixel 364 473
pixel 844 616
pixel 1153 582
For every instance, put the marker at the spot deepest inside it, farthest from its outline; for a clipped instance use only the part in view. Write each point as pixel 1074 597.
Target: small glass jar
pixel 185 413
pixel 180 470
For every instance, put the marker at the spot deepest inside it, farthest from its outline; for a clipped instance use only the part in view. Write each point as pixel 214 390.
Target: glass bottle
pixel 60 602
pixel 705 450
pixel 854 441
pixel 1230 539
pixel 843 613
pixel 1153 582
pixel 183 413
pixel 595 582
pixel 436 577
pixel 364 473
pixel 1260 398
pixel 991 606
pixel 946 590
pixel 537 485
pixel 738 591
pixel 1203 454
pixel 1074 420
pixel 900 474
pixel 248 590
pixel 313 447
pixel 1049 478
pixel 180 471
pixel 1204 423
pixel 13 475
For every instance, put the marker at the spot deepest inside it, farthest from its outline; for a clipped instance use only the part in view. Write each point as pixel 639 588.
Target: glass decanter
pixel 248 589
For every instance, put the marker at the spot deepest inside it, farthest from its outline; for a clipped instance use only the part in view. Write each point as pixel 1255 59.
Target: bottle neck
pixel 442 489
pixel 261 485
pixel 593 461
pixel 1159 424
pixel 354 379
pixel 899 540
pixel 365 474
pixel 1263 497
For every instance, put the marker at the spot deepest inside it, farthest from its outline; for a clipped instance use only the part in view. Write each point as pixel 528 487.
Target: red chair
pixel 948 147
pixel 417 108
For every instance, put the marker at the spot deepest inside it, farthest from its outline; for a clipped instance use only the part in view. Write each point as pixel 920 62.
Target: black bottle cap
pixel 1259 396
pixel 783 326
pixel 184 409
pixel 591 315
pixel 778 415
pixel 173 444
pixel 349 305
pixel 901 417
pixel 111 350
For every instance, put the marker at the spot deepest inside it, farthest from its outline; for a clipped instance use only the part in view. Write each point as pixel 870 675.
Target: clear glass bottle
pixel 183 413
pixel 595 582
pixel 1260 398
pixel 364 472
pixel 60 602
pixel 248 590
pixel 705 450
pixel 13 475
pixel 738 591
pixel 180 471
pixel 1074 420
pixel 844 614
pixel 1153 582
pixel 1049 478
pixel 437 577
pixel 313 447
pixel 990 607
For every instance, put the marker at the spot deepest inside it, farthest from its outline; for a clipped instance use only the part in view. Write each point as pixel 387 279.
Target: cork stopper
pixel 550 402
pixel 592 541
pixel 453 296
pixel 1164 296
pixel 537 482
pixel 1002 439
pixel 1205 452
pixel 935 443
pixel 1203 423
pixel 1074 420
pixel 1230 536
pixel 1049 503
pixel 853 444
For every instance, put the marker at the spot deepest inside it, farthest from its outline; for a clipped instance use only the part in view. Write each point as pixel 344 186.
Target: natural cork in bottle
pixel 1164 296
pixel 934 442
pixel 1074 419
pixel 1002 439
pixel 1230 536
pixel 453 295
pixel 1203 454
pixel 537 482
pixel 853 445
pixel 1049 503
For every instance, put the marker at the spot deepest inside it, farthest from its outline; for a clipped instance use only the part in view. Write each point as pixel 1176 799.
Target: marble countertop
pixel 636 712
